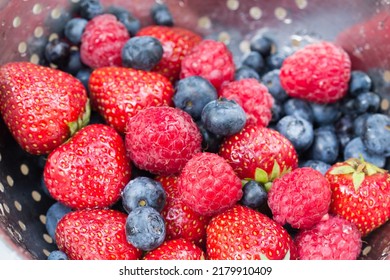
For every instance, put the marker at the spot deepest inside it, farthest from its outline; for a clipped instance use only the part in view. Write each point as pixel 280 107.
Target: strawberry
pixel 360 193
pixel 181 221
pixel 208 184
pixel 90 170
pixel 241 233
pixel 41 106
pixel 176 249
pixel 95 234
pixel 259 153
pixel 318 72
pixel 119 93
pixel 176 43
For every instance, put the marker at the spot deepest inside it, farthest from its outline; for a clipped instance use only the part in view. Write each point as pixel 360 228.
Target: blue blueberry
pixel 161 15
pixel 277 112
pixel 298 107
pixel 254 195
pixel 244 72
pixel 325 146
pixel 223 117
pixel 57 255
pixel 210 141
pixel 74 28
pixel 359 82
pixel 298 130
pixel 74 64
pixel 57 52
pixel 36 46
pixel 356 149
pixel 347 106
pixel 192 94
pixel 316 164
pixel 55 212
pixel 132 24
pixel 142 53
pixel 359 124
pixel 376 136
pixel 367 102
pixel 145 228
pixel 261 44
pixel 254 60
pixel 83 75
pixel 271 80
pixel 89 9
pixel 325 113
pixel 275 60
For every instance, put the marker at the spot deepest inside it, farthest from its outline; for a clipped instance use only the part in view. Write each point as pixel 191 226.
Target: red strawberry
pixel 95 234
pixel 333 238
pixel 162 139
pixel 318 72
pixel 211 60
pixel 253 97
pixel 176 42
pixel 176 249
pixel 208 184
pixel 102 41
pixel 241 233
pixel 300 198
pixel 41 106
pixel 259 153
pixel 119 93
pixel 90 170
pixel 360 193
pixel 181 221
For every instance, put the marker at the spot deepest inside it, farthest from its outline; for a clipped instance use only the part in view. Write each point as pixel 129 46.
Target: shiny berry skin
pixel 271 80
pixel 161 15
pixel 133 25
pixel 324 114
pixel 57 52
pixel 376 135
pixel 74 29
pixel 57 255
pixel 367 102
pixel 89 9
pixel 261 44
pixel 318 165
pixel 245 72
pixel 208 184
pixel 255 61
pixel 325 146
pixel 176 249
pixel 55 212
pixel 299 108
pixel 356 148
pixel 254 195
pixel 318 72
pixel 360 82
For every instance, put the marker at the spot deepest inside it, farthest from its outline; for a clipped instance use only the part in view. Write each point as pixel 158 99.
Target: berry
pixel 57 255
pixel 359 82
pixel 132 24
pixel 299 108
pixel 255 61
pixel 275 60
pixel 300 198
pixel 271 80
pixel 367 102
pixel 360 193
pixel 223 117
pixel 161 15
pixel 208 184
pixel 277 111
pixel 356 149
pixel 74 64
pixel 90 170
pixel 261 44
pixel 95 234
pixel 192 94
pixel 245 72
pixel 145 228
pixel 74 29
pixel 254 195
pixel 331 239
pixel 376 136
pixel 57 52
pixel 55 212
pixel 102 41
pixel 210 141
pixel 177 249
pixel 359 124
pixel 162 139
pixel 118 93
pixel 318 72
pixel 241 233
pixel 89 9
pixel 143 53
pixel 41 106
pixel 143 192
pixel 83 76
pixel 318 165
pixel 325 146
pixel 324 114
pixel 253 97
pixel 211 60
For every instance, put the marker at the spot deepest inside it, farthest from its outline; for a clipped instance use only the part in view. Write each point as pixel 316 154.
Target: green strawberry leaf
pixel 344 169
pixel 357 179
pixel 82 121
pixel 268 186
pixel 261 176
pixel 275 173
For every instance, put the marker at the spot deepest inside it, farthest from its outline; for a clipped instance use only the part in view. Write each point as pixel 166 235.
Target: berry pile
pixel 157 146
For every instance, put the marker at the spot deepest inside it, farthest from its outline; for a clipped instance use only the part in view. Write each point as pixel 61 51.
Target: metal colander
pixel 362 27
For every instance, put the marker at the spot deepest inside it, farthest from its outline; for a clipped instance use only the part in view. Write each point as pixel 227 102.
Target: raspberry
pixel 208 184
pixel 300 198
pixel 318 72
pixel 332 239
pixel 102 41
pixel 162 139
pixel 253 97
pixel 211 60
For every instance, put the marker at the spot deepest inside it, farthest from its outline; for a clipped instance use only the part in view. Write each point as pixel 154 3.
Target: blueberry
pixel 325 146
pixel 356 149
pixel 271 80
pixel 74 28
pixel 74 64
pixel 57 52
pixel 261 44
pixel 367 102
pixel 143 192
pixel 161 15
pixel 298 130
pixel 55 212
pixel 210 141
pixel 359 124
pixel 316 164
pixel 254 195
pixel 245 72
pixel 325 113
pixel 275 61
pixel 359 82
pixel 132 24
pixel 83 76
pixel 376 136
pixel 142 52
pixel 298 107
pixel 57 255
pixel 145 228
pixel 277 111
pixel 223 117
pixel 44 188
pixel 89 9
pixel 192 94
pixel 255 61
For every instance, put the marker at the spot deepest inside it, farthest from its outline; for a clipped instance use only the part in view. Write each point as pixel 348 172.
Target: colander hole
pixel 22 48
pixel 22 225
pixel 53 36
pixel 38 31
pixel 47 238
pixel 232 4
pixel 2 213
pixel 280 13
pixel 42 218
pixel 1 157
pixel 245 46
pixel 204 22
pixel 386 76
pixel 6 208
pixel 385 104
pixel 10 181
pixel 1 187
pixel 24 169
pixel 55 13
pixel 255 13
pixel 34 58
pixel 18 206
pixel 301 4
pixel 36 196
pixel 46 252
pixel 224 37
pixel 16 22
pixel 37 9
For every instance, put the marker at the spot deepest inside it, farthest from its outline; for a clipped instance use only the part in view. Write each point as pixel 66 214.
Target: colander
pixel 362 27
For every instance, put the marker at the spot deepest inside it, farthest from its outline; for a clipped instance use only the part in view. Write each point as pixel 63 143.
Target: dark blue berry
pixel 245 72
pixel 298 130
pixel 359 124
pixel 275 61
pixel 142 53
pixel 145 228
pixel 74 28
pixel 132 24
pixel 359 82
pixel 356 149
pixel 325 113
pixel 192 94
pixel 57 52
pixel 376 135
pixel 367 102
pixel 89 9
pixel 43 187
pixel 74 64
pixel 277 111
pixel 316 164
pixel 55 23
pixel 254 195
pixel 161 15
pixel 255 61
pixel 223 117
pixel 298 107
pixel 143 192
pixel 261 44
pixel 55 212
pixel 36 46
pixel 83 76
pixel 325 146
pixel 271 80
pixel 210 141
pixel 57 255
